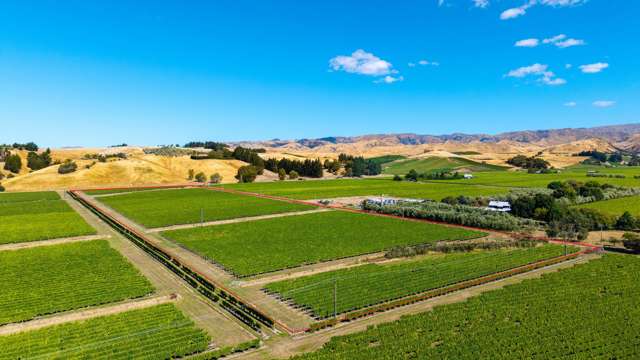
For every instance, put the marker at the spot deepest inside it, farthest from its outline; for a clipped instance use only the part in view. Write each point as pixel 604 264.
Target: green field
pixel 372 284
pixel 267 245
pixel 159 332
pixel 616 207
pixel 386 159
pixel 430 164
pixel 322 189
pixel 27 196
pixel 49 279
pixel 578 173
pixel 184 206
pixel 589 311
pixel 118 191
pixel 36 216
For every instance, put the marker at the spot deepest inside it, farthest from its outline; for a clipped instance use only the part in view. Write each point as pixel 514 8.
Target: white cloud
pixel 527 43
pixel 551 80
pixel 522 10
pixel 423 63
pixel 554 39
pixel 593 68
pixel 363 63
pixel 513 13
pixel 569 43
pixel 427 62
pixel 568 66
pixel 603 103
pixel 535 69
pixel 541 71
pixel 389 79
pixel 570 104
pixel 440 2
pixel 561 3
pixel 481 3
pixel 560 41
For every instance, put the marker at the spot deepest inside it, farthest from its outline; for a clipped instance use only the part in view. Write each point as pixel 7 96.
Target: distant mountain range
pixel 624 136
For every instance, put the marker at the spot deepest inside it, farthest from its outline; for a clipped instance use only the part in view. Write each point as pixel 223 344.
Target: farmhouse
pixel 468 176
pixel 382 201
pixel 502 206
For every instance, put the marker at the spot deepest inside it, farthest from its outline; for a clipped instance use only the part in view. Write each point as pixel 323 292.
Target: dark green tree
pixel 247 174
pixel 13 163
pixel 626 221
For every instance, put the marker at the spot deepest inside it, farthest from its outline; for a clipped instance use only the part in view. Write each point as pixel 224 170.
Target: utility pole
pixel 335 298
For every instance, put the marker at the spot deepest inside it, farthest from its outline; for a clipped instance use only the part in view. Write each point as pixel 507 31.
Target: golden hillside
pixel 137 170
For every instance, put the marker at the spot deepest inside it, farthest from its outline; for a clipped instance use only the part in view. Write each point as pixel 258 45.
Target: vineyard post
pixel 335 298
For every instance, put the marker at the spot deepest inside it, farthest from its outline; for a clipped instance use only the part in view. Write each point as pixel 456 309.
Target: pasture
pixel 185 206
pixel 616 207
pixel 322 189
pixel 36 216
pixel 430 164
pixel 50 279
pixel 159 332
pixel 372 284
pixel 578 173
pixel 268 245
pixel 586 312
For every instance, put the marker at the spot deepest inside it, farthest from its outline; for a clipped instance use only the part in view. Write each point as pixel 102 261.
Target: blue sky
pixel 158 72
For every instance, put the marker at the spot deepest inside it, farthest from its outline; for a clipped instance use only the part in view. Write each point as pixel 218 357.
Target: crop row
pixel 159 332
pixel 367 285
pixel 242 311
pixel 45 280
pixel 262 246
pixel 585 312
pixel 38 216
pixel 188 206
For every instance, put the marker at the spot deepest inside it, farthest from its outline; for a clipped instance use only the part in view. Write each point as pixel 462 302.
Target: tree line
pixel 307 168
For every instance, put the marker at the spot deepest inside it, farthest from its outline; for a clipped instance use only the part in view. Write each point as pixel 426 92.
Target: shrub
pixel 626 221
pixel 282 174
pixel 247 174
pixel 1 188
pixel 412 175
pixel 455 214
pixel 13 163
pixel 201 177
pixel 216 178
pixel 67 167
pixel 293 175
pixel 192 174
pixel 397 178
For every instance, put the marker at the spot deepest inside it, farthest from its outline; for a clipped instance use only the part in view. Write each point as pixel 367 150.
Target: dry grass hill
pixel 138 169
pixel 142 168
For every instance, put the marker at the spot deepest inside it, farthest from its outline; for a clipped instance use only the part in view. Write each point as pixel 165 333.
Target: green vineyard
pixel 187 206
pixel 321 189
pixel 38 216
pixel 51 279
pixel 589 311
pixel 268 245
pixel 160 332
pixel 367 285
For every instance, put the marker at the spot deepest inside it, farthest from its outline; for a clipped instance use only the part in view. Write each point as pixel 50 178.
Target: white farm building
pixel 502 206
